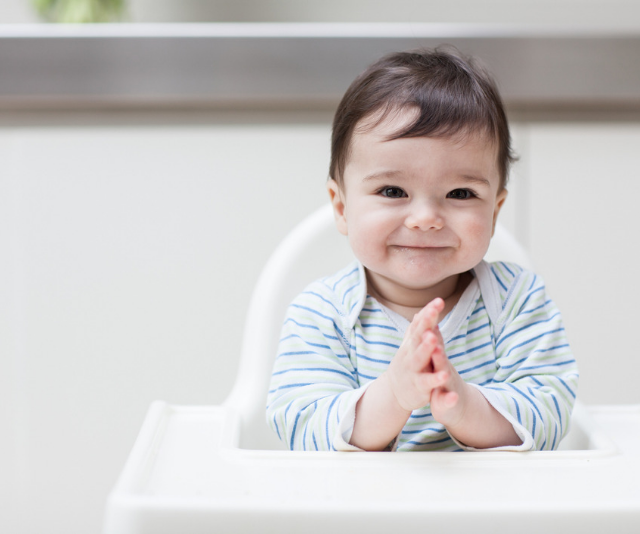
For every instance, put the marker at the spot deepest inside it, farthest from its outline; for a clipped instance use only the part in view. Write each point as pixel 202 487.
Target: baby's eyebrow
pixel 476 179
pixel 381 175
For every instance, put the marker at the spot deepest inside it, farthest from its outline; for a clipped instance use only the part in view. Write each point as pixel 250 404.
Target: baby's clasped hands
pixel 420 373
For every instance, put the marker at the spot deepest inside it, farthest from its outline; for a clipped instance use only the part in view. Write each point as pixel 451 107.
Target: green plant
pixel 80 11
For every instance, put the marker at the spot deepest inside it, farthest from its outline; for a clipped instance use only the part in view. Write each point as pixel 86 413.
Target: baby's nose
pixel 424 216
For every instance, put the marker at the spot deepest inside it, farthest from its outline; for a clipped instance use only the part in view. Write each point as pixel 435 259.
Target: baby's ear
pixel 337 201
pixel 502 196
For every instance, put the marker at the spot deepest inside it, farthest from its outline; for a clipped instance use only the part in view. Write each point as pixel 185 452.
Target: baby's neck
pixel 411 303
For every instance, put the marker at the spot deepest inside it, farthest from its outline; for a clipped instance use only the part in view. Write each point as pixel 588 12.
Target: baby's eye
pixel 392 192
pixel 461 194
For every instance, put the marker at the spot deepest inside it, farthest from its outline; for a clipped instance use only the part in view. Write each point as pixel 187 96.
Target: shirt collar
pixel 351 291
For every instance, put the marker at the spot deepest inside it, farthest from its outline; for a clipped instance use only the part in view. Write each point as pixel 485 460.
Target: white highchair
pixel 197 469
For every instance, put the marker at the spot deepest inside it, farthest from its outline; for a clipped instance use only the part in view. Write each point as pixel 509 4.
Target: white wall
pixel 584 234
pixel 128 254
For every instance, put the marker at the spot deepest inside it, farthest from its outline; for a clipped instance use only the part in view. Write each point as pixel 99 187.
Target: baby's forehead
pixel 382 129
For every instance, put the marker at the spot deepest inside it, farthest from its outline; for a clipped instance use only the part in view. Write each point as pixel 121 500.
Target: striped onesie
pixel 504 336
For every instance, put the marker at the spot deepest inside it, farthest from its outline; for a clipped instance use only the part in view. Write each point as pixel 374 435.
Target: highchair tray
pixel 186 474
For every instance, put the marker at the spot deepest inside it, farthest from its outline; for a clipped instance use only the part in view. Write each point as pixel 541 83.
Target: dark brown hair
pixel 452 93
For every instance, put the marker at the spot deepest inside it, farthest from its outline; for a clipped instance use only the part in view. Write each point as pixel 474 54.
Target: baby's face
pixel 417 211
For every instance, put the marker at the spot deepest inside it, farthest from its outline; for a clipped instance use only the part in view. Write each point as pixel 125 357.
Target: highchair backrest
pixel 313 249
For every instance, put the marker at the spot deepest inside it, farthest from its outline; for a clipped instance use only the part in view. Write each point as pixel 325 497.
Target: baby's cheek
pixel 362 244
pixel 479 237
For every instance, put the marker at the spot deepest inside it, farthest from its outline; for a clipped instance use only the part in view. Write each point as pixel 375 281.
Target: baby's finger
pixel 431 381
pixel 439 358
pixel 436 331
pixel 422 356
pixel 431 312
pixel 414 335
pixel 443 398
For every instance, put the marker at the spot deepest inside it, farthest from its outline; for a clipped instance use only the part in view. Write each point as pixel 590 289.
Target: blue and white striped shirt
pixel 504 336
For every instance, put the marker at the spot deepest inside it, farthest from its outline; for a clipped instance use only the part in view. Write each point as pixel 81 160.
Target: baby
pixel 420 344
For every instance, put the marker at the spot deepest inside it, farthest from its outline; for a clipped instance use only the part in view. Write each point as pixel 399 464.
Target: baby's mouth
pixel 425 248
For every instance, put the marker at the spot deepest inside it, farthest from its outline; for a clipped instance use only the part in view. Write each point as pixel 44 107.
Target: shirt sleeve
pixel 536 381
pixel 314 386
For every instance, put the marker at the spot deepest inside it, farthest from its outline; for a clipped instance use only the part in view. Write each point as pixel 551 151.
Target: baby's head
pixel 420 157
pixel 451 94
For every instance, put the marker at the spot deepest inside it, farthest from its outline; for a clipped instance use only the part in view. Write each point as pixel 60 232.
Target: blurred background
pixel 150 166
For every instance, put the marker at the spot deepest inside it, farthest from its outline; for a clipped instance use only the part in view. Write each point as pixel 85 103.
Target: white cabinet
pixel 583 232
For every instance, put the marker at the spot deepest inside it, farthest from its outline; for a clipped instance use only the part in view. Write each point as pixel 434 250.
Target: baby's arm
pixel 314 386
pixel 536 378
pixel 466 413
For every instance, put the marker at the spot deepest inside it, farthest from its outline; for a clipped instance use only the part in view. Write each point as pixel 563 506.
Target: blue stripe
pixel 344 296
pixel 498 278
pixel 372 325
pixel 507 268
pixel 286 411
pixel 529 325
pixel 321 298
pixel 567 387
pixel 327 421
pixel 559 364
pixel 315 312
pixel 533 404
pixel 344 276
pixel 557 409
pixel 513 364
pixel 371 310
pixel 457 355
pixel 462 336
pixel 323 369
pixel 362 375
pixel 315 443
pixel 537 308
pixel 299 353
pixel 517 411
pixel 288 386
pixel 476 367
pixel 555 435
pixel 342 336
pixel 564 346
pixel 541 288
pixel 305 341
pixel 435 442
pixel 301 325
pixel 293 432
pixel 420 416
pixel 304 437
pixel 369 359
pixel 276 427
pixel 531 340
pixel 319 345
pixel 378 342
pixel 431 430
pixel 477 328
